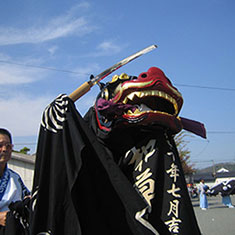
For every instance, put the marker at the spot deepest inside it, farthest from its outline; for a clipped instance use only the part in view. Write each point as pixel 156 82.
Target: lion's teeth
pixel 139 108
pixel 143 107
pixel 136 111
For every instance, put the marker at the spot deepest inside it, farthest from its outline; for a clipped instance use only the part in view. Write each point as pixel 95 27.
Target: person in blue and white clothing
pixel 202 189
pixel 12 188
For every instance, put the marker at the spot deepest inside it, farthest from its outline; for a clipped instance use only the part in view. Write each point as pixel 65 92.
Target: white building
pixel 23 164
pixel 222 170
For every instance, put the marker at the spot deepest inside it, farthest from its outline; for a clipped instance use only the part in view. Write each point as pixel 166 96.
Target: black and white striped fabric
pixel 54 114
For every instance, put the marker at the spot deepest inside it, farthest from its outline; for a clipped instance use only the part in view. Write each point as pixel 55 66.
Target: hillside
pixel 228 165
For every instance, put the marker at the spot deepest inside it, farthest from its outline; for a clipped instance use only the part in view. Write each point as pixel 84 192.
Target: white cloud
pixel 52 50
pixel 22 115
pixel 13 74
pixel 80 6
pixel 106 48
pixel 62 26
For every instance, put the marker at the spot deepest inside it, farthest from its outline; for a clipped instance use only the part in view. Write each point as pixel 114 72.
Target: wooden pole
pixel 80 91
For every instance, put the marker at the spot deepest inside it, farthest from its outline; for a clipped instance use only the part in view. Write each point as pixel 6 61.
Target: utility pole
pixel 213 165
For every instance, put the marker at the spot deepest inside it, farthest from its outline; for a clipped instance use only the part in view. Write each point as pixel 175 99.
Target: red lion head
pixel 147 100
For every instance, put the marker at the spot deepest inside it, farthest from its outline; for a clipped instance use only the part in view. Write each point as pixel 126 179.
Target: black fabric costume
pixel 224 188
pixel 85 185
pixel 17 220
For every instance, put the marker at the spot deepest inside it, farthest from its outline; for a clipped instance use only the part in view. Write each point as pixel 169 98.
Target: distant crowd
pixel 202 191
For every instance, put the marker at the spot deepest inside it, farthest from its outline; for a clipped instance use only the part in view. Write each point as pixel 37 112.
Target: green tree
pixel 24 150
pixel 184 153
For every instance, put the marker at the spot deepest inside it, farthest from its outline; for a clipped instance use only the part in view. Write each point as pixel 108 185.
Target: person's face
pixel 5 149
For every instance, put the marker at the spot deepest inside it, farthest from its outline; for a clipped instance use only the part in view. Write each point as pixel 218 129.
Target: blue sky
pixel 74 39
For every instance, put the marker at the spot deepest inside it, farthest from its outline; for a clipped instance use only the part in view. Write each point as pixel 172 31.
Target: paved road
pixel 218 219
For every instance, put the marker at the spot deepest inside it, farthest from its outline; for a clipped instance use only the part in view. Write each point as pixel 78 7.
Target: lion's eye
pixel 105 94
pixel 144 75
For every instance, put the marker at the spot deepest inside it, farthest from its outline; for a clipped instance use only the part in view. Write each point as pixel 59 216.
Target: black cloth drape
pixel 17 221
pixel 80 188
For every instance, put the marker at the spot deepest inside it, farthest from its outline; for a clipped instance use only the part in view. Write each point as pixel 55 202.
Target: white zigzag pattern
pixel 53 115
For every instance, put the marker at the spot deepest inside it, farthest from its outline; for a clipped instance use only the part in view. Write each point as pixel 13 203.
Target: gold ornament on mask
pixel 123 76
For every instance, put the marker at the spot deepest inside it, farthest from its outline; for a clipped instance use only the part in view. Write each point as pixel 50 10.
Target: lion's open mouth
pixel 151 101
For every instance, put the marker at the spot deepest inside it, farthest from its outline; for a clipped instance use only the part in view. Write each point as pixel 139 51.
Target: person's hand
pixel 3 217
